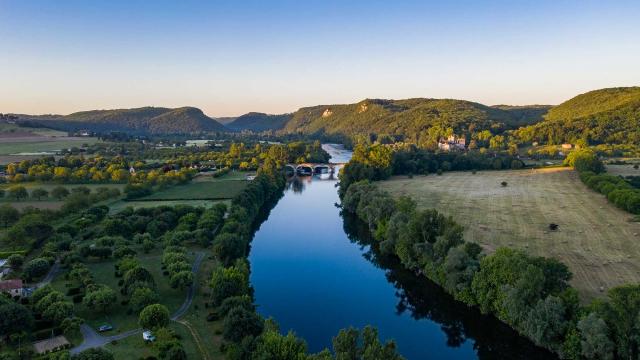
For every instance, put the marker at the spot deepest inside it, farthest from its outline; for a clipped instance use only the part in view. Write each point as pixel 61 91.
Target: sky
pixel 232 57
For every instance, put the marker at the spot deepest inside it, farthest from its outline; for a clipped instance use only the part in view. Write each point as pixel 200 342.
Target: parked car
pixel 105 327
pixel 148 336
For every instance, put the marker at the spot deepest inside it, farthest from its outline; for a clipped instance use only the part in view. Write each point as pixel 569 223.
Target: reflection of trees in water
pixel 423 299
pixel 298 183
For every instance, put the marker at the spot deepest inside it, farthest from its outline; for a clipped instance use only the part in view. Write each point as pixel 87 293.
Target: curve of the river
pixel 313 272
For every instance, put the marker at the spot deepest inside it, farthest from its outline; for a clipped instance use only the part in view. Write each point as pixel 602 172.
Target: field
pixel 599 243
pixel 201 189
pixel 623 170
pixel 49 202
pixel 21 140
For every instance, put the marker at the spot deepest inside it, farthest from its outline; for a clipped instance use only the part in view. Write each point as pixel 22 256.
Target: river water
pixel 313 272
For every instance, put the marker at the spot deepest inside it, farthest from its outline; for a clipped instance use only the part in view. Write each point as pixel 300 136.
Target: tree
pixel 595 342
pixel 584 160
pixel 273 346
pixel 94 354
pixel 240 323
pixel 36 268
pixel 39 193
pixel 228 282
pixel 18 192
pixel 8 215
pixel 143 297
pixel 15 261
pixel 59 192
pixel 136 277
pixel 181 279
pixel 101 298
pixel 58 311
pixel 546 323
pixel 13 317
pixel 228 247
pixel 154 316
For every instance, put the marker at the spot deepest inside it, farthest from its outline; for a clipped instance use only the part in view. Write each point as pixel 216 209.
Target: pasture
pixel 622 170
pixel 599 243
pixel 215 189
pixel 122 204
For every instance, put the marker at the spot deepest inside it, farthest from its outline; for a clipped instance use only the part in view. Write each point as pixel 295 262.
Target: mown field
pixel 599 243
pixel 215 189
pixel 623 170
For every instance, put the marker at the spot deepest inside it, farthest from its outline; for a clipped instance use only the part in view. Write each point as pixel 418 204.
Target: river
pixel 313 272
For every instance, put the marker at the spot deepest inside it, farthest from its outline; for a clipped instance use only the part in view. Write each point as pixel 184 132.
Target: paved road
pixel 92 339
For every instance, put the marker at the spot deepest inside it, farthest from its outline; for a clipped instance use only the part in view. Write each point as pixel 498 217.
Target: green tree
pixel 39 193
pixel 154 316
pixel 228 247
pixel 102 298
pixel 94 354
pixel 143 297
pixel 36 268
pixel 13 317
pixel 595 342
pixel 58 311
pixel 15 261
pixel 59 192
pixel 181 279
pixel 18 192
pixel 240 323
pixel 273 346
pixel 8 215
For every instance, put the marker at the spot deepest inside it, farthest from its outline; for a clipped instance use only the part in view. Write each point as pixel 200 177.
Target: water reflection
pixel 423 299
pixel 315 273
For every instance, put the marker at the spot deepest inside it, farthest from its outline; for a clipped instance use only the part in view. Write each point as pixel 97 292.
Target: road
pixel 92 339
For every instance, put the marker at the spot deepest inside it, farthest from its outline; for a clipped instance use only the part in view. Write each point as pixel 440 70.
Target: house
pixel 13 287
pixel 147 335
pixel 452 143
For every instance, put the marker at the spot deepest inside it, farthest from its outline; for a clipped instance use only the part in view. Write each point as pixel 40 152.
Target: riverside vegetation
pixel 531 294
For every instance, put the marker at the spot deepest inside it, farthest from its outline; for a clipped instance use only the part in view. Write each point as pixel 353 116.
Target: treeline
pixel 531 294
pixel 618 191
pixel 378 162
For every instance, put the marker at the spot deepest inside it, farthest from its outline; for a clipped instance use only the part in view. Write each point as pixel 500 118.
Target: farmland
pixel 20 140
pixel 201 189
pixel 598 242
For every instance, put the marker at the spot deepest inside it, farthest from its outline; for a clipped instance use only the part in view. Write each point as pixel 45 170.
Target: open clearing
pixel 597 241
pixel 200 190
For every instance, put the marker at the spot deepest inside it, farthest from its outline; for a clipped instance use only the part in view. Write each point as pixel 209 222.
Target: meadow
pixel 599 243
pixel 202 189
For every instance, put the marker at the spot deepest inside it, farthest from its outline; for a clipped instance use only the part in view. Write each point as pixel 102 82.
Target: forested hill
pixel 146 120
pixel 419 120
pixel 255 121
pixel 600 116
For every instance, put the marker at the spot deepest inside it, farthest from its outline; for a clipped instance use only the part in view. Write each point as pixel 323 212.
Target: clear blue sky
pixel 231 57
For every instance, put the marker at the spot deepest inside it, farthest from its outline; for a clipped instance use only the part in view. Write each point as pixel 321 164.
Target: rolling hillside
pixel 259 122
pixel 414 119
pixel 600 116
pixel 146 120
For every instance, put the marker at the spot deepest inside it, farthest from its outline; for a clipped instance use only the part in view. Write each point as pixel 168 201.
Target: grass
pixel 134 347
pixel 599 243
pixel 48 202
pixel 200 190
pixel 45 145
pixel 196 318
pixel 104 273
pixel 623 170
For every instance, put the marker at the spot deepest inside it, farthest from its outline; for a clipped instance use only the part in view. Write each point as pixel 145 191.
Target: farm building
pixel 50 345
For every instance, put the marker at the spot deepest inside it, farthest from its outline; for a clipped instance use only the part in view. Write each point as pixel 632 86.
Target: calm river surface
pixel 313 272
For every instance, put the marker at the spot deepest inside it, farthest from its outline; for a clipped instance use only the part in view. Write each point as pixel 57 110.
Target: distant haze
pixel 229 58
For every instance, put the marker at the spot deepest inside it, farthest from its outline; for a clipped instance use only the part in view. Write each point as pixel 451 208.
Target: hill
pixel 419 120
pixel 255 121
pixel 601 116
pixel 145 120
